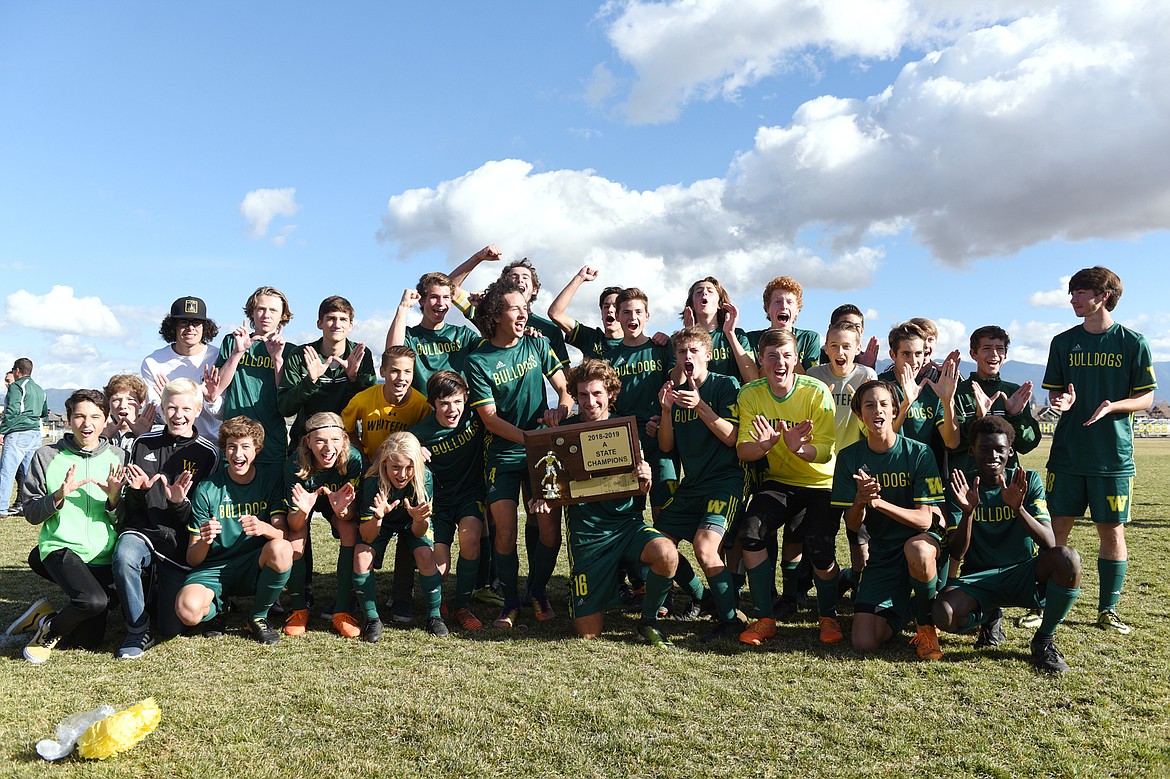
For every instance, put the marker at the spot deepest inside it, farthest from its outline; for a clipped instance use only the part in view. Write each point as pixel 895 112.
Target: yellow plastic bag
pixel 119 732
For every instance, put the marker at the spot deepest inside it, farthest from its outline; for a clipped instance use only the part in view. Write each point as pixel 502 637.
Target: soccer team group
pixel 756 448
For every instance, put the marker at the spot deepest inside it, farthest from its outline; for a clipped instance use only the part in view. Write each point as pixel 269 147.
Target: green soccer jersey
pixel 642 371
pixel 808 345
pixel 1026 427
pixel 551 331
pixel 588 521
pixel 723 358
pixel 924 416
pixel 908 475
pixel 443 349
pixel 398 519
pixel 591 341
pixel 299 397
pixel 512 379
pixel 1112 365
pixel 456 457
pixel 252 393
pixel 998 537
pixel 330 478
pixel 808 399
pixel 706 459
pixel 222 499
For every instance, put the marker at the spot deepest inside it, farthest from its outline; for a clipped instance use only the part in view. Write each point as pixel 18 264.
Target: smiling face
pixel 1086 302
pixel 335 327
pixel 992 453
pixel 188 334
pixel 609 320
pixel 592 400
pixel 398 373
pixel 326 445
pixel 910 351
pixel 449 410
pixel 842 346
pixel 123 408
pixel 240 454
pixel 989 357
pixel 878 410
pixel 513 319
pixel 398 469
pixel 779 365
pixel 782 309
pixel 266 314
pixel 435 305
pixel 87 421
pixel 633 317
pixel 522 278
pixel 179 414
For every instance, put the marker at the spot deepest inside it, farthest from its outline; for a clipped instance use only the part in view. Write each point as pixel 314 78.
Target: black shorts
pixel 805 513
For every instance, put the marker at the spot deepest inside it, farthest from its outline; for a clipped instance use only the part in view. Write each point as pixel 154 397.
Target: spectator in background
pixel 20 432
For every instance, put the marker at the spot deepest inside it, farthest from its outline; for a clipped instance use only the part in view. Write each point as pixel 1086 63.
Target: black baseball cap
pixel 189 308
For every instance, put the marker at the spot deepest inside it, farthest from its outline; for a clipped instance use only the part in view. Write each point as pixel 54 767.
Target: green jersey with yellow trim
pixel 512 379
pixel 1112 365
pixel 1026 426
pixel 330 478
pixel 456 456
pixel 551 331
pixel 591 341
pixel 808 399
pixel 808 345
pixel 908 475
pixel 706 459
pixel 642 371
pixel 924 416
pixel 398 519
pixel 298 396
pixel 442 349
pixel 723 358
pixel 221 498
pixel 998 537
pixel 252 394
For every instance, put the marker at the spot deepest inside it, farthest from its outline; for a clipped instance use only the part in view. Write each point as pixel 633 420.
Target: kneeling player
pixel 1003 521
pixel 604 534
pixel 235 549
pixel 891 483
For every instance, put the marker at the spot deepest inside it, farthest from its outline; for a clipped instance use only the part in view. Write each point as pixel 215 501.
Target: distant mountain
pixel 1019 372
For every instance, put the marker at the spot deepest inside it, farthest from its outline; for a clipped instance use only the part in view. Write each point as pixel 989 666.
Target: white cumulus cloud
pixel 70 347
pixel 60 311
pixel 1053 298
pixel 261 206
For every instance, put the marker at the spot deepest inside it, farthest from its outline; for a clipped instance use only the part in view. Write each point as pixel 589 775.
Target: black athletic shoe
pixel 402 611
pixel 725 631
pixel 991 632
pixel 263 632
pixel 631 600
pixel 1046 657
pixel 213 628
pixel 687 613
pixel 373 632
pixel 437 627
pixel 785 607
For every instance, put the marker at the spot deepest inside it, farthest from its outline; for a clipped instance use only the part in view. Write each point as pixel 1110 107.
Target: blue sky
pixel 912 158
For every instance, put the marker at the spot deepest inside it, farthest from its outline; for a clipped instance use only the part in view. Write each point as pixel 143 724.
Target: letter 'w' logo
pixel 1117 502
pixel 716 506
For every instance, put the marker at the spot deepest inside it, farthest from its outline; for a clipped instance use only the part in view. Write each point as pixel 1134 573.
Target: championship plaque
pixel 584 462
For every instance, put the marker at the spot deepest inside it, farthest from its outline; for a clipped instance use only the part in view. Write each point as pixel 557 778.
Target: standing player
pixel 453 435
pixel 234 547
pixel 699 422
pixel 848 313
pixel 505 381
pixel 1099 373
pixel 187 331
pixel 926 407
pixel 251 364
pixel 892 484
pixel 783 300
pixel 437 344
pixel 1006 542
pixel 592 341
pixel 840 372
pixel 709 306
pixel 20 431
pixel 787 420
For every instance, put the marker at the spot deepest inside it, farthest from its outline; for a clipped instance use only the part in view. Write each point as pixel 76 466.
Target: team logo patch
pixel 191 306
pixel 150 458
pixel 1077 348
pixel 500 364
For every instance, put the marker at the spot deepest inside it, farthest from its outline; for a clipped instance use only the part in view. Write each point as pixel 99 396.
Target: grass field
pixel 539 702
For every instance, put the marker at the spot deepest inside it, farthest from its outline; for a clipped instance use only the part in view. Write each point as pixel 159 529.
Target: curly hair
pixel 241 427
pixel 434 279
pixel 491 305
pixel 169 329
pixel 596 370
pixel 693 333
pixel 522 263
pixel 126 382
pixel 785 284
pixel 991 424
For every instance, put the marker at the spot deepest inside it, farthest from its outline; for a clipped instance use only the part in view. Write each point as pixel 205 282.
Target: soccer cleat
pixel 759 631
pixel 346 625
pixel 830 632
pixel 688 613
pixel 725 631
pixel 542 607
pixel 401 611
pixel 653 636
pixel 1046 657
pixel 27 622
pixel 507 618
pixel 667 607
pixel 373 632
pixel 134 646
pixel 991 632
pixel 630 598
pixel 1108 620
pixel 263 632
pixel 1031 619
pixel 466 620
pixel 785 607
pixel 43 641
pixel 488 595
pixel 214 627
pixel 927 643
pixel 437 627
pixel 297 622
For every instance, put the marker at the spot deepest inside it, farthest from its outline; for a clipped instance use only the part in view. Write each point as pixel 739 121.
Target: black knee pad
pixel 753 533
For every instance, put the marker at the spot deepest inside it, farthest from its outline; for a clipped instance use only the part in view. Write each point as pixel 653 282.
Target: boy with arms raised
pixel 1099 374
pixel 74 488
pixel 606 534
pixel 187 331
pixel 787 420
pixel 234 548
pixel 926 407
pixel 709 306
pixel 698 411
pixel 453 435
pixel 251 364
pixel 891 483
pixel 592 341
pixel 505 379
pixel 164 466
pixel 130 413
pixel 1005 540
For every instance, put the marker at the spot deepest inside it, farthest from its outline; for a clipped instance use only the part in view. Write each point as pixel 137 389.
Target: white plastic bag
pixel 69 730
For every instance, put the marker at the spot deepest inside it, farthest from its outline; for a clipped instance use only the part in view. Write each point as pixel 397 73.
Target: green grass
pixel 539 702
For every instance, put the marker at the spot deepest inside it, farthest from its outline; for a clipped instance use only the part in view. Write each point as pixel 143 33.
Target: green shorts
pixel 594 563
pixel 1107 498
pixel 445 519
pixel 505 479
pixel 884 589
pixel 404 535
pixel 228 578
pixel 710 507
pixel 1014 585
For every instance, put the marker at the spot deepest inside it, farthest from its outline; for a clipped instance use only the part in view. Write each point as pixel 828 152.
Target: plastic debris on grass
pixel 102 732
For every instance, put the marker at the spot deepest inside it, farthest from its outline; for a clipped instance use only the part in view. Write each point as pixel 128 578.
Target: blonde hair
pixel 182 387
pixel 405 444
pixel 306 465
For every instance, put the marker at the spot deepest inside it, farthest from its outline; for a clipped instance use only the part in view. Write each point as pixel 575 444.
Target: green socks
pixel 542 561
pixel 367 590
pixel 826 596
pixel 789 580
pixel 922 596
pixel 466 575
pixel 1058 602
pixel 432 590
pixel 345 576
pixel 720 585
pixel 268 587
pixel 656 589
pixel 296 585
pixel 1112 573
pixel 508 568
pixel 760 581
pixel 686 578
